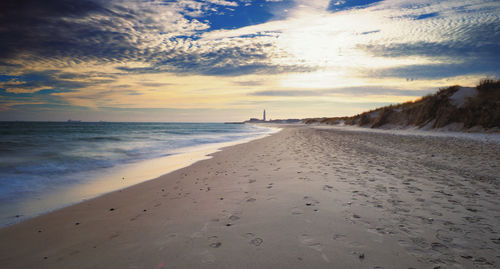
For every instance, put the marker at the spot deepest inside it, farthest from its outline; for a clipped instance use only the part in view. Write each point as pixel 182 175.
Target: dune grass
pixel 433 110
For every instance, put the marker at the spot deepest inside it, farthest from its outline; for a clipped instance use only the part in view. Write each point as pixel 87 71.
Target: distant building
pixel 264 120
pixel 253 120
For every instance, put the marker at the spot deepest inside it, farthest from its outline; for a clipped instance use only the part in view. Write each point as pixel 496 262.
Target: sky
pixel 227 60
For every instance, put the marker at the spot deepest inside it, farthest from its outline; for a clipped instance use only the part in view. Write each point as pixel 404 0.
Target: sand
pixel 301 198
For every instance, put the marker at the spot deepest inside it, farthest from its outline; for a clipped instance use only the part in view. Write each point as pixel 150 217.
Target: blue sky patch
pixel 7 78
pixel 339 5
pixel 257 12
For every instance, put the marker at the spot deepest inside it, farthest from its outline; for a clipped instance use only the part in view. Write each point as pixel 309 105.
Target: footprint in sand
pixel 495 240
pixel 419 241
pixel 249 235
pixel 214 242
pixel 297 211
pixel 338 236
pixel 327 188
pixel 310 242
pixel 215 245
pixel 250 200
pixel 256 241
pixel 436 246
pixel 313 244
pixel 441 235
pixel 310 201
pixel 207 257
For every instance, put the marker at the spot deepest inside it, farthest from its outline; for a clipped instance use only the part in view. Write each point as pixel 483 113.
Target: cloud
pixel 231 58
pixel 223 3
pixel 171 36
pixel 337 5
pixel 439 71
pixel 50 81
pixel 162 35
pixel 249 83
pixel 320 40
pixel 426 16
pixel 351 91
pixel 475 52
pixel 85 30
pixel 100 51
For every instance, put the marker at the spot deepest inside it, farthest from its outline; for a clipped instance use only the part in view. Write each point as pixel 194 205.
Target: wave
pixel 100 138
pixel 37 157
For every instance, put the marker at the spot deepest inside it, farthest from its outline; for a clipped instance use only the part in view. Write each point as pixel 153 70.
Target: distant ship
pixel 70 120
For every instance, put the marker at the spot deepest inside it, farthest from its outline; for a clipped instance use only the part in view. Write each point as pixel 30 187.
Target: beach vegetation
pixel 480 111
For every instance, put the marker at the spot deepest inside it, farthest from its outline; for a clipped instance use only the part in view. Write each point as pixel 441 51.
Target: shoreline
pixel 302 197
pixel 113 179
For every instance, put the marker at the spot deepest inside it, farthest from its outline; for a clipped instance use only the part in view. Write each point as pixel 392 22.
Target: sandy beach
pixel 300 198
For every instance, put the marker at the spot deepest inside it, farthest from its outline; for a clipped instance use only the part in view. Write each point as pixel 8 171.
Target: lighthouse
pixel 264 115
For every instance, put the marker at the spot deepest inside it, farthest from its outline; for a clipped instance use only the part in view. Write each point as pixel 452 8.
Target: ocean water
pixel 48 161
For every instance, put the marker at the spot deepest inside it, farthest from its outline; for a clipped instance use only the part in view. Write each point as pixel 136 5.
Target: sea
pixel 49 165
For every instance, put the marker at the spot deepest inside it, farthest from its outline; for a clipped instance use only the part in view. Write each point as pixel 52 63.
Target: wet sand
pixel 301 198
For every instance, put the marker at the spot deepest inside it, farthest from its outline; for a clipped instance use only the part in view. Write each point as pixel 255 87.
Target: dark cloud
pixel 230 60
pixel 475 52
pixel 82 30
pixel 233 60
pixel 355 91
pixel 291 93
pixel 5 93
pixel 370 32
pixel 438 71
pixel 250 83
pixel 138 70
pixel 470 54
pixel 232 70
pixel 41 28
pixel 427 15
pixel 155 84
pixel 11 99
pixel 79 31
pixel 105 31
pixel 46 82
pixel 481 42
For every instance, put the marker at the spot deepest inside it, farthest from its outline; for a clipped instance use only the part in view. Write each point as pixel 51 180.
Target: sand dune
pixel 454 108
pixel 301 198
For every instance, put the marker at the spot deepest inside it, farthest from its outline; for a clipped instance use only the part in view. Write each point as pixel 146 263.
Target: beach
pixel 300 198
